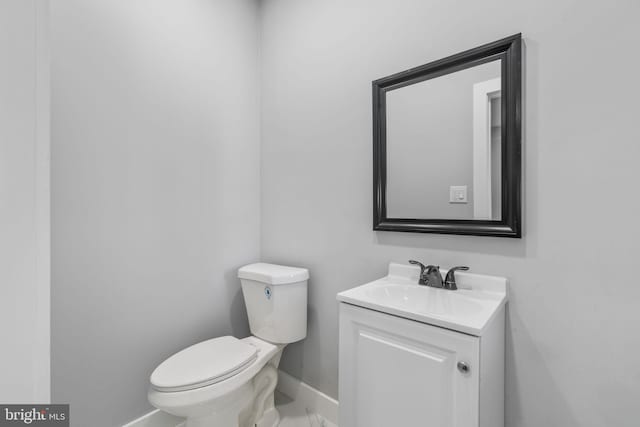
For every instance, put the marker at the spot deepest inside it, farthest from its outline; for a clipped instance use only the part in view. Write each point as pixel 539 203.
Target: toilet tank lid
pixel 273 274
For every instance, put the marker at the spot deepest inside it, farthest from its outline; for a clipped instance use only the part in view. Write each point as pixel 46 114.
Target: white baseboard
pixel 156 418
pixel 307 396
pixel 312 399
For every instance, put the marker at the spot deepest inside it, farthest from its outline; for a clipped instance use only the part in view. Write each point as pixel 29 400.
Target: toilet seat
pixel 204 364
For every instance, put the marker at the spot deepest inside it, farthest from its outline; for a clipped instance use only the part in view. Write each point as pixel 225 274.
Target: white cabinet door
pixel 396 372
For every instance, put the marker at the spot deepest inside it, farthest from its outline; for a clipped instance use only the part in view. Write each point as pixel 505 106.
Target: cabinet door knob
pixel 463 367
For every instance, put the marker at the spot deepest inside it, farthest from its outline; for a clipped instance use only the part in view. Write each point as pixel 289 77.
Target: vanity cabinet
pixel 400 372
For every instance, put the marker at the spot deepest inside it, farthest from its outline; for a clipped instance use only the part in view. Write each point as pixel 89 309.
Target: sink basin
pixel 423 299
pixel 467 310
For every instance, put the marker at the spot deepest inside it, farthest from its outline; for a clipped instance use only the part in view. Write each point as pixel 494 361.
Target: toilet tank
pixel 276 300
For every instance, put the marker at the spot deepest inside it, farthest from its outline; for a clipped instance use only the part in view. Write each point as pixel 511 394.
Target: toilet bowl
pixel 229 382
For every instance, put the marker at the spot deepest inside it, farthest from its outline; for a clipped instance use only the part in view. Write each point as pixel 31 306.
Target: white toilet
pixel 229 382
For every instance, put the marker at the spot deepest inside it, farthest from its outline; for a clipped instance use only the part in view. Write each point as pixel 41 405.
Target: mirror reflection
pixel 444 144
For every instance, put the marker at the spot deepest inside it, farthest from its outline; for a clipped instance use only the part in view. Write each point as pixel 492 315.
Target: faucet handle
pixel 450 280
pixel 422 278
pixel 422 266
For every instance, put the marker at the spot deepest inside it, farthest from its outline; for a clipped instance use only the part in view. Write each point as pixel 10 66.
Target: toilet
pixel 230 382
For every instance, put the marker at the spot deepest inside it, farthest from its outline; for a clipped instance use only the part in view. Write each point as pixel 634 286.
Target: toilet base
pixel 226 414
pixel 271 418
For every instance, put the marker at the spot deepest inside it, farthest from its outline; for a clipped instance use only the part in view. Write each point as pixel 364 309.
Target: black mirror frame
pixel 509 51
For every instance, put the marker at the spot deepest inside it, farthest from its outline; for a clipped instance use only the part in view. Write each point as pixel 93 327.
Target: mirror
pixel 447 144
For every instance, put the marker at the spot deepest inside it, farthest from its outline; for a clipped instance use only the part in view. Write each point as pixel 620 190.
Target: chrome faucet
pixel 430 276
pixel 450 280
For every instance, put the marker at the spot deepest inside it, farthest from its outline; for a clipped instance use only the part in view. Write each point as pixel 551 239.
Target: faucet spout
pixel 429 274
pixel 434 277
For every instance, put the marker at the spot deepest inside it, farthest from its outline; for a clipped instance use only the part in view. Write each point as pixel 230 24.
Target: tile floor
pixel 294 414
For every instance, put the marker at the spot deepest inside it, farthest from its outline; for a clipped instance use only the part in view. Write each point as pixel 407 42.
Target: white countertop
pixel 468 309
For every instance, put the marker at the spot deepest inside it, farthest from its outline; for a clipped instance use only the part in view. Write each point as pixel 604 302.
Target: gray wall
pixel 24 203
pixel 572 341
pixel 155 175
